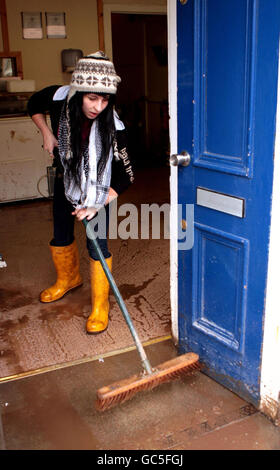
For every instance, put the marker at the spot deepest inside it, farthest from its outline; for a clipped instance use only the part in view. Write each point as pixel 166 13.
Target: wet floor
pixel 56 411
pixel 34 335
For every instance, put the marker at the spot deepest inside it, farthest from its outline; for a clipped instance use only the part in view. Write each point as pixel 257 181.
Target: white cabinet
pixel 23 161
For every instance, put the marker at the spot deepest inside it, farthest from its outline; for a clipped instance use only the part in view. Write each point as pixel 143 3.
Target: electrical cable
pixel 38 182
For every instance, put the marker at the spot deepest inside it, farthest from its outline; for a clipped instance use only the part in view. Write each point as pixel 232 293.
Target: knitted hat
pixel 94 74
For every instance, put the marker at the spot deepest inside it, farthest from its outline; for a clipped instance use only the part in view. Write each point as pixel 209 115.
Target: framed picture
pixel 55 23
pixel 32 25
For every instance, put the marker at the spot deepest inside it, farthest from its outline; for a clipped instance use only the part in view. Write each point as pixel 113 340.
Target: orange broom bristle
pixel 119 392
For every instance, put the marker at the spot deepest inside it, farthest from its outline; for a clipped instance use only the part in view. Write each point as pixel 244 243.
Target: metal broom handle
pixel 146 364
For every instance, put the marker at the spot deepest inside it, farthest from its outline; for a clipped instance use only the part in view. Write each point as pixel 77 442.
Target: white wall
pixel 270 371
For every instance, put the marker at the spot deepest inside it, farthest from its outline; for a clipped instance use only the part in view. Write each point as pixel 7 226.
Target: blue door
pixel 227 70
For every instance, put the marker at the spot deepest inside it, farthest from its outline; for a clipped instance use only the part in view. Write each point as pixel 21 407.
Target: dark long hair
pixel 106 128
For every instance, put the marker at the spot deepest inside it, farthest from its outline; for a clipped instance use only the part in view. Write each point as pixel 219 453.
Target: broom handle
pixel 145 362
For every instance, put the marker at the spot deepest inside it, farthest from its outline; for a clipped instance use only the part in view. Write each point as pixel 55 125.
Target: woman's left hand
pixel 88 212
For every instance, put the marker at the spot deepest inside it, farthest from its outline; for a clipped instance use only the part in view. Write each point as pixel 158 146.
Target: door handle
pixel 183 159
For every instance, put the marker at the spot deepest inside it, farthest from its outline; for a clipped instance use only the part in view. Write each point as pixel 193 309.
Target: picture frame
pixel 56 25
pixel 32 25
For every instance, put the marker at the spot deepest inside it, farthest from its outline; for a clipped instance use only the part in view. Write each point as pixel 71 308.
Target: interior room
pixel 26 190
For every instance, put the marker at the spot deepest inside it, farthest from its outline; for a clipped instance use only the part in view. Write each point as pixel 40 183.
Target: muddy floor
pixel 56 410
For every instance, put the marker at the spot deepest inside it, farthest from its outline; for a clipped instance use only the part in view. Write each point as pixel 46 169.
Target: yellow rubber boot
pixel 67 265
pixel 98 319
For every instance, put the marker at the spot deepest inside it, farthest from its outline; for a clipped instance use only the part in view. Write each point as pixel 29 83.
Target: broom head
pixel 123 390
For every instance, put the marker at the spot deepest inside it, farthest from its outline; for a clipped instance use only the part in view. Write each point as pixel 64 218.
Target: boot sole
pixel 96 332
pixel 66 292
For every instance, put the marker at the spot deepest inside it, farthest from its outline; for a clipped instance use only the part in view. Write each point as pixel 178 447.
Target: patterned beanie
pixel 94 74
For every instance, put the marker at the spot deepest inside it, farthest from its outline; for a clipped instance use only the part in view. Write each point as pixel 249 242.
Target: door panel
pixel 227 93
pixel 219 279
pixel 224 74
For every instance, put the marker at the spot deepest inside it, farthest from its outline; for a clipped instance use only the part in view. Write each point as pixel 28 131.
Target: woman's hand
pixel 111 196
pixel 88 212
pixel 50 142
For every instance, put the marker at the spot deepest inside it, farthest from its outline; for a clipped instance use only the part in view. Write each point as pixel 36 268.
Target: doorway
pixel 142 100
pixel 39 337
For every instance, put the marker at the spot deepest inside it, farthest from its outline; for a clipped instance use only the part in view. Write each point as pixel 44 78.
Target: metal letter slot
pixel 182 159
pixel 220 202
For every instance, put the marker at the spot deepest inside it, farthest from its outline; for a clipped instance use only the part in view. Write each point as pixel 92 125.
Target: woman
pixel 88 143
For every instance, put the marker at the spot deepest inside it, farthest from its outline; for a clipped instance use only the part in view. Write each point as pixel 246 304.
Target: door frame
pixel 173 137
pixel 270 375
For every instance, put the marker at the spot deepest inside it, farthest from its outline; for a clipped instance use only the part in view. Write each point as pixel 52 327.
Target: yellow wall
pixel 41 57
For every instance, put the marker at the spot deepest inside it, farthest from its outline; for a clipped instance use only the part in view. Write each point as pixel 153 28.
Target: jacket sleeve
pixel 41 101
pixel 122 171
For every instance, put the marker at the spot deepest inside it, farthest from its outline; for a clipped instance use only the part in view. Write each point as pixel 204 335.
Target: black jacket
pixel 42 102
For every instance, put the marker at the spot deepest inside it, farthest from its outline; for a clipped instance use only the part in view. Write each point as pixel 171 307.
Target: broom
pixel 149 378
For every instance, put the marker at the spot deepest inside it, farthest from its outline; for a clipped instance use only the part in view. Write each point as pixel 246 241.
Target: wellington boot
pixel 67 265
pixel 98 319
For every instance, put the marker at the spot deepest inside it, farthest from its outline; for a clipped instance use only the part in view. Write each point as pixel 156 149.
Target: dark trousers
pixel 63 223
